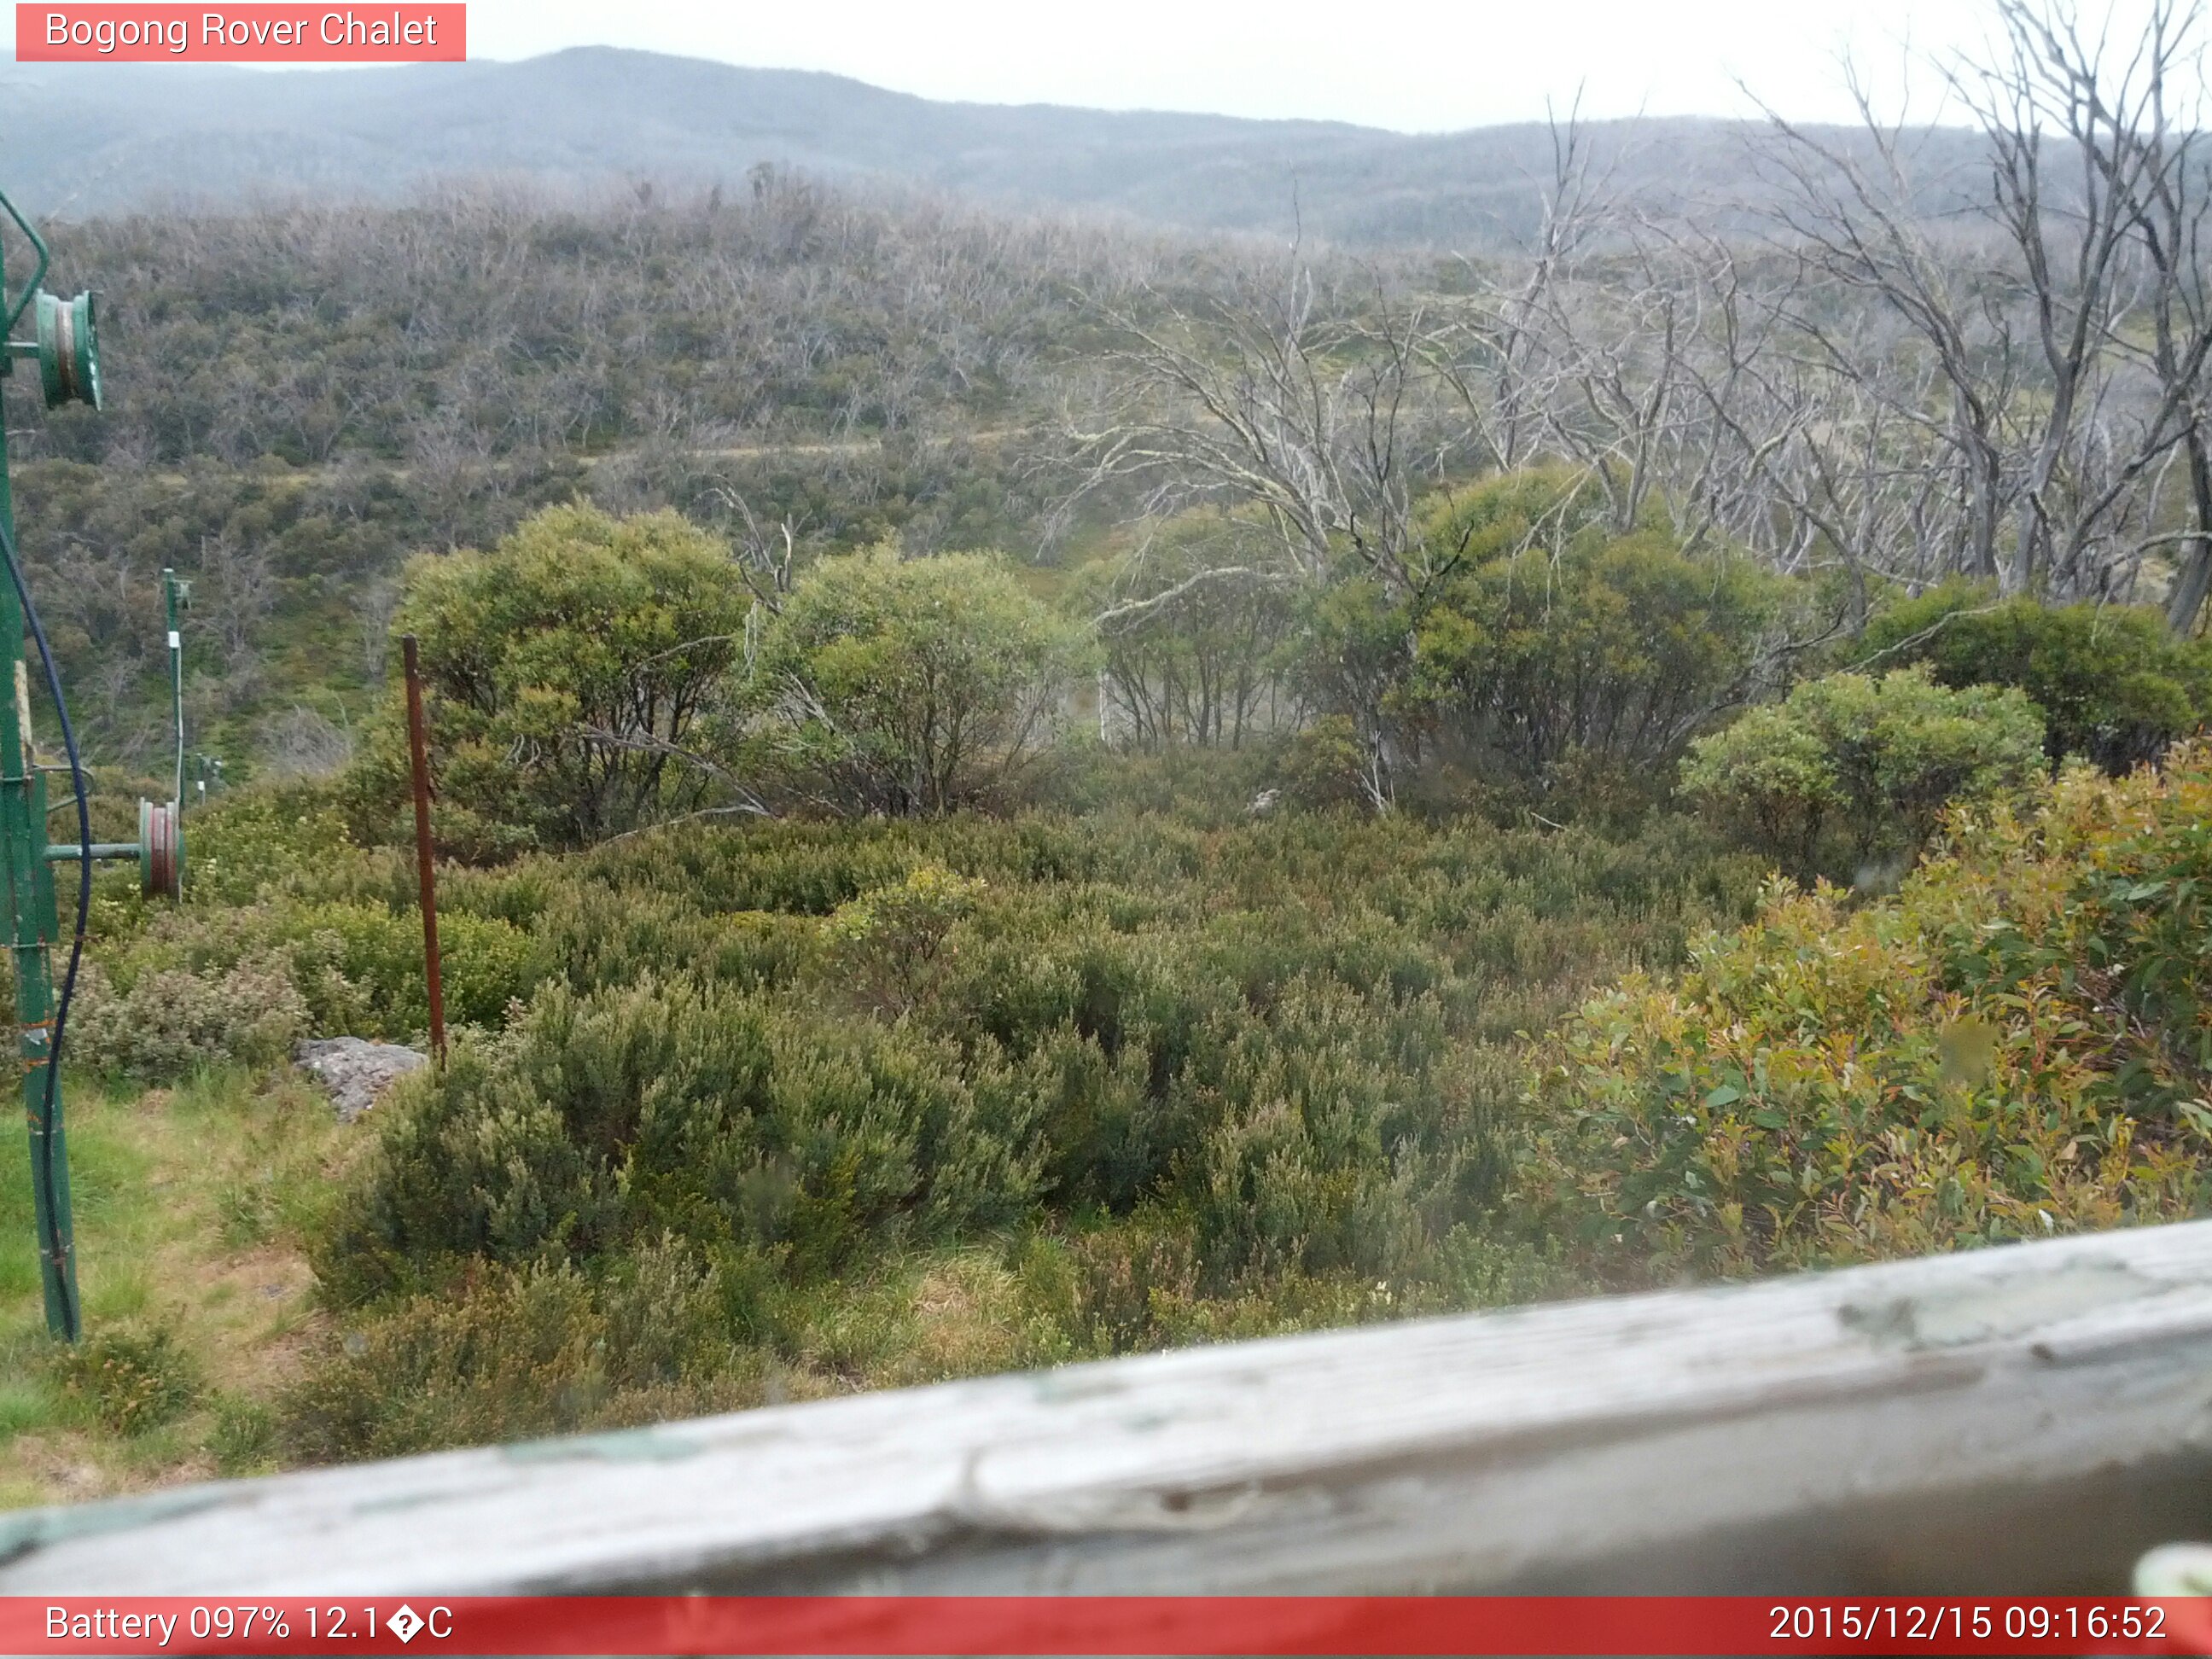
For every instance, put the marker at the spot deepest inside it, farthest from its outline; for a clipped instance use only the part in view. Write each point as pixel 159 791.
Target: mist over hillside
pixel 84 140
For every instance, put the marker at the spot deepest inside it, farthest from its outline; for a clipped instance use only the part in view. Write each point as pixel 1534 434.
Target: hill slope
pixel 93 139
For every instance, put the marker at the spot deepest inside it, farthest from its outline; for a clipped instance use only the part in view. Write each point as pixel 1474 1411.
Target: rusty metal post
pixel 419 760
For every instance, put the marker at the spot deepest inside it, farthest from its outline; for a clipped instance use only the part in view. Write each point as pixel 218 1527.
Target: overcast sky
pixel 1417 65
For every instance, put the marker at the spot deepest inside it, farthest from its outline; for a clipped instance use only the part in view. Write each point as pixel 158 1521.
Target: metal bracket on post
pixel 159 852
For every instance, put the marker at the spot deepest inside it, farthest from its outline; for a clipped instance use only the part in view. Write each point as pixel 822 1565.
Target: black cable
pixel 46 1111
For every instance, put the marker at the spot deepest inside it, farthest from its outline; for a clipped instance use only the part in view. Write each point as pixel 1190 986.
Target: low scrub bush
pixel 522 1352
pixel 2113 685
pixel 132 1377
pixel 2017 1043
pixel 606 1118
pixel 1848 770
pixel 172 1022
pixel 892 940
pixel 911 1096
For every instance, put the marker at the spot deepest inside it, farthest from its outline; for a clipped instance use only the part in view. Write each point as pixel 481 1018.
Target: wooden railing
pixel 2022 1420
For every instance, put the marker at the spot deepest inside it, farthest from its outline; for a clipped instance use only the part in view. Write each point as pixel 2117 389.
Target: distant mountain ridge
pixel 85 139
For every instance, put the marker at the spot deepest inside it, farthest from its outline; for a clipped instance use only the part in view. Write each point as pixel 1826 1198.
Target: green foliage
pixel 2114 686
pixel 203 985
pixel 1129 1281
pixel 734 1108
pixel 1557 656
pixel 1621 647
pixel 907 685
pixel 1502 516
pixel 534 1351
pixel 565 671
pixel 131 1377
pixel 891 940
pixel 1146 1079
pixel 1330 764
pixel 1349 664
pixel 605 1119
pixel 2017 1043
pixel 258 838
pixel 245 1438
pixel 1849 768
pixel 172 1022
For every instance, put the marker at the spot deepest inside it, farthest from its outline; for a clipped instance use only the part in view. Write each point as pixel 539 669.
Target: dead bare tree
pixel 2069 340
pixel 1489 346
pixel 2141 134
pixel 2073 121
pixel 1288 396
pixel 1857 220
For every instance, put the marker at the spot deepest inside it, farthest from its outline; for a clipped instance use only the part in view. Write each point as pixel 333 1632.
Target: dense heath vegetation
pixel 834 1009
pixel 1012 791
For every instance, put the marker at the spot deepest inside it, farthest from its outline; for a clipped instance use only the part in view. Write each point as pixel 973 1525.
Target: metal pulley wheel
pixel 161 851
pixel 69 350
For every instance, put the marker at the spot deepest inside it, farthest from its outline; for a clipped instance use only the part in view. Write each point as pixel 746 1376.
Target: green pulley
pixel 69 350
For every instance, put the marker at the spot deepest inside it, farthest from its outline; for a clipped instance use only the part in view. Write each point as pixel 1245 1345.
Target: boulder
pixel 355 1071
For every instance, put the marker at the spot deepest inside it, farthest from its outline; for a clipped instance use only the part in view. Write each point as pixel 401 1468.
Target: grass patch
pixel 190 1207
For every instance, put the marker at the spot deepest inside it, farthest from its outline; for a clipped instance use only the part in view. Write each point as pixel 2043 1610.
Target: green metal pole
pixel 34 925
pixel 169 592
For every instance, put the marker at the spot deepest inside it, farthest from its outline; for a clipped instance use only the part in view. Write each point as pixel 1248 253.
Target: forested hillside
pixel 1011 788
pixel 301 399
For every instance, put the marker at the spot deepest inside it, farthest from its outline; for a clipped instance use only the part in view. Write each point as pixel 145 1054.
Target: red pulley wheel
pixel 161 851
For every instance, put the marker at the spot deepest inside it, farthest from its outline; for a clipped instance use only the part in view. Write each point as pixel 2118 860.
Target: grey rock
pixel 355 1071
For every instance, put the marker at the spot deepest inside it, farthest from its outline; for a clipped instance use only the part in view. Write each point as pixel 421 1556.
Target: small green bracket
pixel 62 853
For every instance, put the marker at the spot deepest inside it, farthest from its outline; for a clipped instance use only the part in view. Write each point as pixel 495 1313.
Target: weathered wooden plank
pixel 1950 1423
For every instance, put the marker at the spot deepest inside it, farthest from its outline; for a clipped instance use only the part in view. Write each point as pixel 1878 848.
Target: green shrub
pixel 1129 1281
pixel 204 984
pixel 2018 1043
pixel 1349 663
pixel 1848 769
pixel 1329 763
pixel 1501 516
pixel 536 1351
pixel 906 686
pixel 173 1022
pixel 244 1440
pixel 2114 686
pixel 246 841
pixel 1553 656
pixel 891 940
pixel 666 1105
pixel 132 1377
pixel 1197 786
pixel 1618 648
pixel 918 1094
pixel 485 965
pixel 565 671
pixel 1189 654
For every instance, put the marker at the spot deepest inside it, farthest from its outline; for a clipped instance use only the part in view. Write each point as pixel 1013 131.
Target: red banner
pixel 259 33
pixel 1104 1625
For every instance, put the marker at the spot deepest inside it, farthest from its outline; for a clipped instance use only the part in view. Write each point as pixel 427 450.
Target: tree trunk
pixel 2192 577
